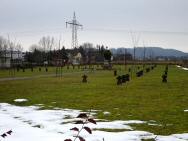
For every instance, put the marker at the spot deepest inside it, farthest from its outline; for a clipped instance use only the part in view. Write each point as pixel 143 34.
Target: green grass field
pixel 145 98
pixel 29 73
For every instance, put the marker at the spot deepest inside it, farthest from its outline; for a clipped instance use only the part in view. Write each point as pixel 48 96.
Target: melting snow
pixel 106 113
pixel 20 100
pixel 175 137
pixel 31 124
pixel 185 68
pixel 182 68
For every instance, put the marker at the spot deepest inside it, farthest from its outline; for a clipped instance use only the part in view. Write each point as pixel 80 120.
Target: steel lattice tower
pixel 75 25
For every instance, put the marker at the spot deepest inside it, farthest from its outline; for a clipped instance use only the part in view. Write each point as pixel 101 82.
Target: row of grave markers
pixel 126 77
pixel 165 75
pixel 120 78
pixel 58 69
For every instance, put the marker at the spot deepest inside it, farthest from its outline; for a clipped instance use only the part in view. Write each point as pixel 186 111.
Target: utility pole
pixel 144 59
pixel 135 40
pixel 144 54
pixel 125 53
pixel 75 25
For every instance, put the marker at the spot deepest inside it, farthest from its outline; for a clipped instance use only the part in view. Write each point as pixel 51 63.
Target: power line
pixel 75 26
pixel 57 29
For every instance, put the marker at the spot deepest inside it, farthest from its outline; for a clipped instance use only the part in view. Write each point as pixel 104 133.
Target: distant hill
pixel 151 51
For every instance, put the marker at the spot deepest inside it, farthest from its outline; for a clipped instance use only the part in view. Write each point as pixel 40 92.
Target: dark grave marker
pixel 119 80
pixel 166 72
pixel 127 77
pixel 164 78
pixel 115 72
pixel 84 78
pixel 140 73
pixel 123 78
pixel 147 69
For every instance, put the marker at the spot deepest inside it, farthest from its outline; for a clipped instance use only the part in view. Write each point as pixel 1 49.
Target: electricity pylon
pixel 75 25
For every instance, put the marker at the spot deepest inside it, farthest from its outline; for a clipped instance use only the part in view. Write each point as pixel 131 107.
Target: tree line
pixel 8 47
pixel 48 51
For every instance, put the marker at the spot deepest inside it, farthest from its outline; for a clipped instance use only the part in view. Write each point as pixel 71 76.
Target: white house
pixel 75 60
pixel 16 56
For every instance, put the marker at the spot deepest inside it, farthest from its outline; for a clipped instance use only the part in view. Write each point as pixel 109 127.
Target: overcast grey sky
pixel 161 23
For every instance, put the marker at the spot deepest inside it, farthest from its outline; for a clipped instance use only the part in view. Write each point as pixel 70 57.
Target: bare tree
pixel 135 39
pixel 3 46
pixel 19 49
pixel 89 49
pixel 8 48
pixel 47 44
pixel 2 40
pixel 34 55
pixel 34 47
pixel 11 48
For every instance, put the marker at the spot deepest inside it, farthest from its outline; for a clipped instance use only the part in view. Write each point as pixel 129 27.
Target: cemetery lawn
pixel 144 98
pixel 36 72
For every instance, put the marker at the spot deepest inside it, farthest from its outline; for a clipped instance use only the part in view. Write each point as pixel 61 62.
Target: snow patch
pixel 39 104
pixel 181 136
pixel 20 100
pixel 31 124
pixel 185 68
pixel 182 67
pixel 106 113
pixel 172 138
